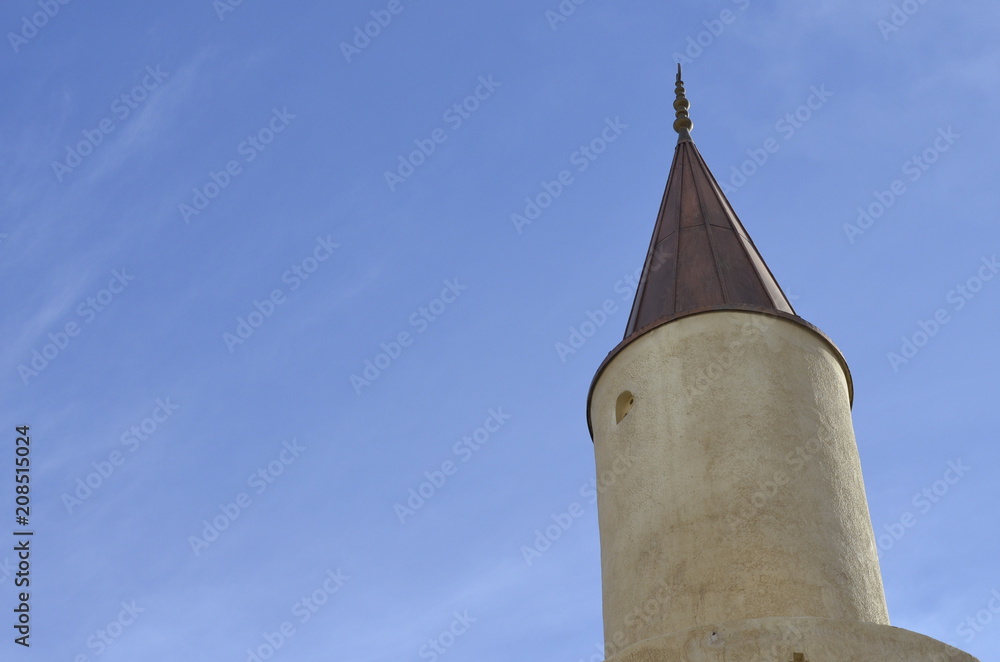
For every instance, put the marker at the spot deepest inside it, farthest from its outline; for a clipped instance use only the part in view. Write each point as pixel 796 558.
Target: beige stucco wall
pixel 779 639
pixel 732 489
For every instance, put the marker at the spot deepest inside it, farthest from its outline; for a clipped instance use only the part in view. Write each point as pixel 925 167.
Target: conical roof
pixel 700 255
pixel 701 258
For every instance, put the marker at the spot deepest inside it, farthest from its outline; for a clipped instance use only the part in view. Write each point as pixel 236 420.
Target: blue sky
pixel 201 243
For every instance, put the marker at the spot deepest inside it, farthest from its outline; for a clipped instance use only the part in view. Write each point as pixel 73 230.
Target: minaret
pixel 733 518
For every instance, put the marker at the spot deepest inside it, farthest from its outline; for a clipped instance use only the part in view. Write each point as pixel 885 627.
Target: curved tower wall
pixel 734 486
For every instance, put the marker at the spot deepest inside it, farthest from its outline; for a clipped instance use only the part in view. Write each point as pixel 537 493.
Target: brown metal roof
pixel 700 255
pixel 701 259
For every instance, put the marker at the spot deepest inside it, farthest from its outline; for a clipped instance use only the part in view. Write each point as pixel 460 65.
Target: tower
pixel 733 518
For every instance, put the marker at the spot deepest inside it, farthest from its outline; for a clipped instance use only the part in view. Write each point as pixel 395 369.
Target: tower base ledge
pixel 781 639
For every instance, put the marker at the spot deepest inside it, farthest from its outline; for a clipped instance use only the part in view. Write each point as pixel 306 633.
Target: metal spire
pixel 683 123
pixel 700 256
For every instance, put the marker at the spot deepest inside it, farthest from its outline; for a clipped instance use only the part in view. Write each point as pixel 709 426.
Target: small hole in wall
pixel 624 405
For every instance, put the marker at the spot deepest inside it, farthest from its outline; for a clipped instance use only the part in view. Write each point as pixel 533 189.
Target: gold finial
pixel 683 123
